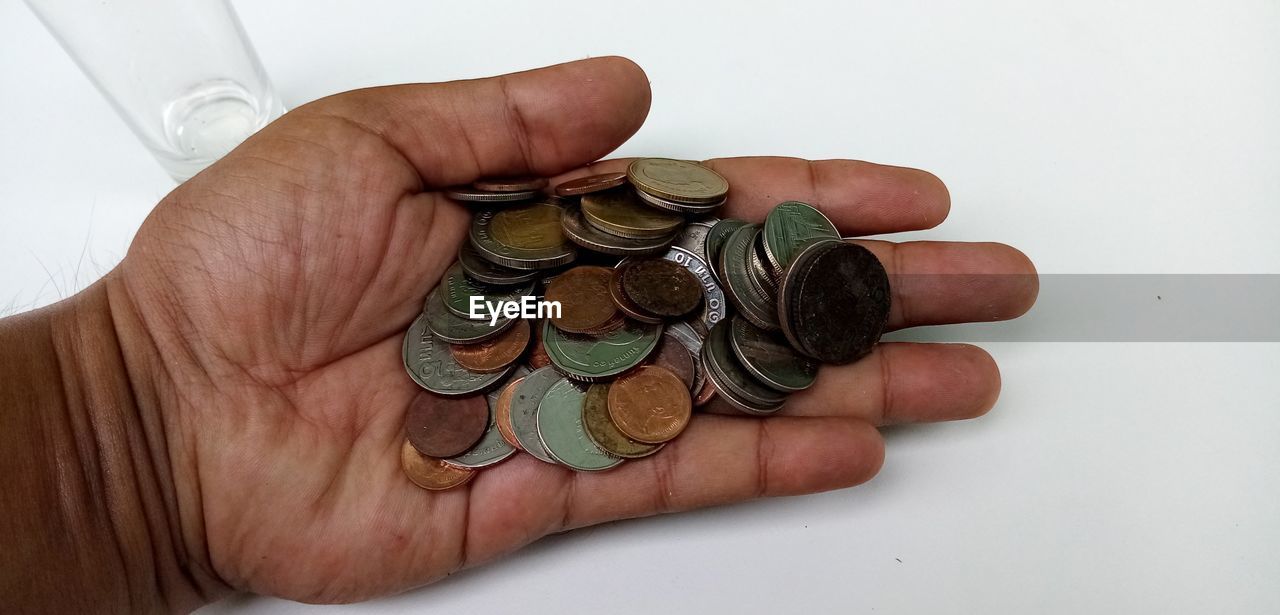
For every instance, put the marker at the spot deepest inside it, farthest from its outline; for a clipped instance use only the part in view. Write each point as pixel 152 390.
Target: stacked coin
pixel 661 308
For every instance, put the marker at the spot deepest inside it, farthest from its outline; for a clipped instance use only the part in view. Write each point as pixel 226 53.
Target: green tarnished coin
pixel 431 365
pixel 604 433
pixel 770 358
pixel 594 357
pixel 524 410
pixel 459 289
pixel 484 271
pixel 734 384
pixel 719 232
pixel 790 226
pixel 458 330
pixel 562 433
pixel 738 283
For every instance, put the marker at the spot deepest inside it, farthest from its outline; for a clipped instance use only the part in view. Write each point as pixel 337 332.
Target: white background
pixel 1097 137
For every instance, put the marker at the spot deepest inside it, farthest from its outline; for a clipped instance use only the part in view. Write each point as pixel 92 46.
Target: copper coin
pixel 583 293
pixel 538 357
pixel 510 184
pixel 431 473
pixel 661 287
pixel 624 303
pixel 675 357
pixel 445 426
pixel 706 393
pixel 591 183
pixel 502 414
pixel 650 404
pixel 495 354
pixel 603 433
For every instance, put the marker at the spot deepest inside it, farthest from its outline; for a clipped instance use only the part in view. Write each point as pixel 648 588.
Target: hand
pixel 275 287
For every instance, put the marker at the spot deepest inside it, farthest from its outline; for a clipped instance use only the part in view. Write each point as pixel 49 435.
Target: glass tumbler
pixel 181 73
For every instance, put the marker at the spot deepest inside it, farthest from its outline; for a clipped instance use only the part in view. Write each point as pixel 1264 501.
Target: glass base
pixel 208 121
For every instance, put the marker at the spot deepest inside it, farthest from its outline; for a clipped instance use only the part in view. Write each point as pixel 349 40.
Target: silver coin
pixel 732 381
pixel 684 208
pixel 714 308
pixel 468 194
pixel 719 232
pixel 562 432
pixel 431 365
pixel 761 272
pixel 537 222
pixel 481 270
pixel 691 339
pixel 693 237
pixel 458 330
pixel 524 410
pixel 578 231
pixel 738 285
pixel 492 448
pixel 457 290
pixel 769 358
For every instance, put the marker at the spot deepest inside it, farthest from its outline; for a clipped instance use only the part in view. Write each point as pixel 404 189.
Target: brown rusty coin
pixel 538 353
pixel 502 414
pixel 431 473
pixel 834 301
pixel 591 183
pixel 445 426
pixel 624 303
pixel 674 356
pixel 510 184
pixel 603 433
pixel 650 404
pixel 661 287
pixel 583 293
pixel 495 354
pixel 705 394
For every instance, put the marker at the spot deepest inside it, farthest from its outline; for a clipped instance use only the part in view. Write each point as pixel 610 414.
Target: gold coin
pixel 677 180
pixel 622 213
pixel 431 473
pixel 535 226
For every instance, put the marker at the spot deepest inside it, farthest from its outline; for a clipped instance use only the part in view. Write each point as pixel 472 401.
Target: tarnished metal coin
pixel 458 330
pixel 677 180
pixel 714 306
pixel 622 213
pixel 467 194
pixel 493 447
pixel 510 184
pixel 484 271
pixel 596 357
pixel 495 354
pixel 762 276
pixel 719 232
pixel 738 285
pixel 431 365
pixel 590 183
pixel 650 404
pixel 445 426
pixel 625 304
pixel 684 208
pixel 538 353
pixel 732 382
pixel 526 236
pixel 691 339
pixel 602 431
pixel 587 236
pixel 431 473
pixel 524 410
pixel 790 226
pixel 583 293
pixel 834 301
pixel 769 358
pixel 459 289
pixel 693 237
pixel 562 433
pixel 673 356
pixel 502 412
pixel 661 287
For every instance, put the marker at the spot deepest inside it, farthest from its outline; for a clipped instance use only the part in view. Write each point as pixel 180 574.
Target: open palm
pixel 276 287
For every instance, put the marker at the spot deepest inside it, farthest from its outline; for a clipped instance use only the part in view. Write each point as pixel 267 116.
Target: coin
pixel 493 447
pixel 768 357
pixel 691 339
pixel 762 275
pixel 538 355
pixel 510 184
pixel 677 180
pixel 459 290
pixel 719 232
pixel 625 304
pixel 431 473
pixel 705 394
pixel 445 426
pixel 661 287
pixel 684 208
pixel 458 330
pixel 733 268
pixel 524 410
pixel 562 433
pixel 502 413
pixel 650 404
pixel 603 433
pixel 790 226
pixel 732 382
pixel 431 365
pixel 834 301
pixel 578 231
pixel 592 358
pixel 495 354
pixel 620 212
pixel 673 356
pixel 525 236
pixel 481 270
pixel 693 237
pixel 583 294
pixel 591 183
pixel 470 195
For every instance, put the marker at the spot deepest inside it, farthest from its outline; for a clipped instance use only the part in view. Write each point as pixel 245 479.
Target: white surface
pixel 1099 138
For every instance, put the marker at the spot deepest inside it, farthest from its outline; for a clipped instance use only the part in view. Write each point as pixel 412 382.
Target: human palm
pixel 276 287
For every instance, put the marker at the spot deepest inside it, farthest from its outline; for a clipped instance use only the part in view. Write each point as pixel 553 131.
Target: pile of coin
pixel 662 308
